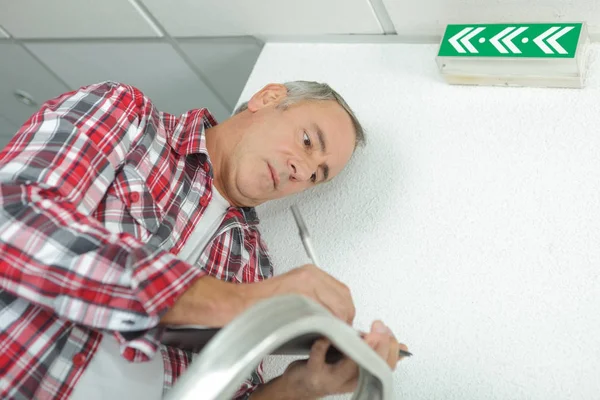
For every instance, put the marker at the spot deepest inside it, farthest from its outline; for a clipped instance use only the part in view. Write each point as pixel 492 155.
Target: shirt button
pixel 79 359
pixel 206 166
pixel 133 197
pixel 204 201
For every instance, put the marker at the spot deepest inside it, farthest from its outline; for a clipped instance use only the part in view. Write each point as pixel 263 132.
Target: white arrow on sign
pixel 539 40
pixel 495 41
pixel 506 36
pixel 454 39
pixel 467 44
pixel 552 40
pixel 508 40
pixel 466 36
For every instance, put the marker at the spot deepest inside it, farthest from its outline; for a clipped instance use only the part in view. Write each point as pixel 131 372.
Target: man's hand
pixel 382 340
pixel 314 378
pixel 312 282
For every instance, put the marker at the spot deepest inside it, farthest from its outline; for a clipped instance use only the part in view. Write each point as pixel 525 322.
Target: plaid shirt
pixel 99 191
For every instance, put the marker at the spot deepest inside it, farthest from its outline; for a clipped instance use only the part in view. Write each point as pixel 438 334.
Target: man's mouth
pixel 274 176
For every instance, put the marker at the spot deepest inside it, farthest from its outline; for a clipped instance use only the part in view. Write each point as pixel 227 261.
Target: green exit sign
pixel 558 40
pixel 505 54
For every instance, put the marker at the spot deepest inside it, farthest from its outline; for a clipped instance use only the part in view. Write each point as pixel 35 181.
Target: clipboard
pixel 193 338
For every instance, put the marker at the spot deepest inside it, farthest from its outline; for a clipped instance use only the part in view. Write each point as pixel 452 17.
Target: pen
pixel 304 235
pixel 310 251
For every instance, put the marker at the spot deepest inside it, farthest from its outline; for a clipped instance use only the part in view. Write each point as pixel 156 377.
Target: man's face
pixel 283 152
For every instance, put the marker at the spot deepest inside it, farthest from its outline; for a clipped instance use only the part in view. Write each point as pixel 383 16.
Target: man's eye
pixel 306 139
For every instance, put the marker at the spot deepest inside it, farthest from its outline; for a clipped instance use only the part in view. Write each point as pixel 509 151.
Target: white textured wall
pixel 470 223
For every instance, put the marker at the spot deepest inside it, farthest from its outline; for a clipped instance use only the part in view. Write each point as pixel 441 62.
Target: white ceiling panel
pixel 73 18
pixel 20 71
pixel 3 33
pixel 155 68
pixel 226 62
pixel 265 17
pixel 429 17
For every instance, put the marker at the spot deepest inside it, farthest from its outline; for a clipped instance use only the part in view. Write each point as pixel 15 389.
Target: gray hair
pixel 298 91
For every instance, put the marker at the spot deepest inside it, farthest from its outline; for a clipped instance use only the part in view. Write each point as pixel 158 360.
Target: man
pixel 116 219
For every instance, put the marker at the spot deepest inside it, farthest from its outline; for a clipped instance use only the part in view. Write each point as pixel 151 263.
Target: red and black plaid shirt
pixel 99 191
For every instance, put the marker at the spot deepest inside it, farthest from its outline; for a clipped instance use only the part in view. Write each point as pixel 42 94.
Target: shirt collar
pixel 187 136
pixel 250 215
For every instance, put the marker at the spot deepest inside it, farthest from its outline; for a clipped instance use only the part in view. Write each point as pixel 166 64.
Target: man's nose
pixel 299 170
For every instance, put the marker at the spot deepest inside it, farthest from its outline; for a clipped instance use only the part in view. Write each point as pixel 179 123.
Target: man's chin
pixel 251 198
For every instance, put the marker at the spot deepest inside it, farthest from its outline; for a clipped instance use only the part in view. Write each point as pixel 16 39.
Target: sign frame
pixel 524 60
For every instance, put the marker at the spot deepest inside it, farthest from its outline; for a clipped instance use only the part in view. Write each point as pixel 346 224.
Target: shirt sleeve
pixel 53 175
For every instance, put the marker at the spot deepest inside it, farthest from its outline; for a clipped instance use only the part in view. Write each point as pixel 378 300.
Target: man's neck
pixel 220 141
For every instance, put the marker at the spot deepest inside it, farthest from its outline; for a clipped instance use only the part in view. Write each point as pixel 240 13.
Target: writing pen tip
pixel 405 353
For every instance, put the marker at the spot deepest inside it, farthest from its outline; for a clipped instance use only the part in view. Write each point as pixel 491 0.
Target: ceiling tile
pixel 155 68
pixel 3 33
pixel 265 17
pixel 226 62
pixel 20 71
pixel 429 17
pixel 73 19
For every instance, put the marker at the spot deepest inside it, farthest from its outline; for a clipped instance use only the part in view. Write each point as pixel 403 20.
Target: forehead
pixel 336 126
pixel 328 115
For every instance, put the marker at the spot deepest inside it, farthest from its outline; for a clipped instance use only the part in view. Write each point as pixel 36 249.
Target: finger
pixel 337 305
pixel 318 351
pixel 340 306
pixel 371 339
pixel 393 349
pixel 339 295
pixel 379 343
pixel 379 327
pixel 331 293
pixel 384 344
pixel 345 369
pixel 341 300
pixel 393 352
pixel 296 364
pixel 350 369
pixel 381 332
pixel 383 348
pixel 395 355
pixel 389 332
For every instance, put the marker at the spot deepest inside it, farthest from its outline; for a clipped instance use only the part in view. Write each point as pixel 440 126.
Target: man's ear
pixel 271 94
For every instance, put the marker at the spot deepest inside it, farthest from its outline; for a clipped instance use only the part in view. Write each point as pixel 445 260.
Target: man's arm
pixel 53 174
